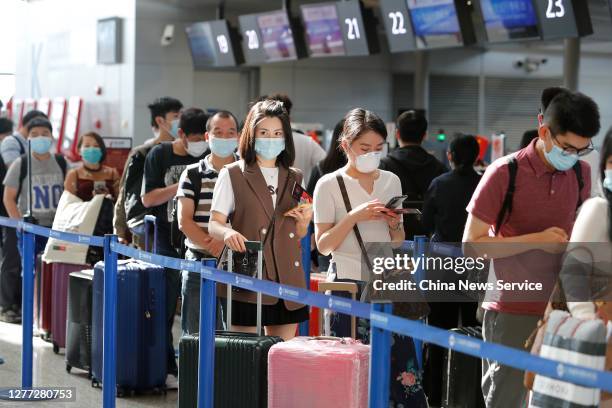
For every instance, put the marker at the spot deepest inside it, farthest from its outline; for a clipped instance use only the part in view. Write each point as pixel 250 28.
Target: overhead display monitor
pixel 358 28
pixel 398 26
pixel 212 44
pixel 507 20
pixel 323 31
pixel 277 36
pixel 252 43
pixel 440 23
pixel 564 18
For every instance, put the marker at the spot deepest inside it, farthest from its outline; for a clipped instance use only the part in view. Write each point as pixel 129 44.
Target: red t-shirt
pixel 543 198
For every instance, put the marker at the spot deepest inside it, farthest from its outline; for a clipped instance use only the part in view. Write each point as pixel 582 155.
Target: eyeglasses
pixel 571 151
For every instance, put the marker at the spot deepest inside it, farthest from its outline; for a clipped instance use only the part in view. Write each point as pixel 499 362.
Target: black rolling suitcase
pixel 462 375
pixel 241 362
pixel 78 321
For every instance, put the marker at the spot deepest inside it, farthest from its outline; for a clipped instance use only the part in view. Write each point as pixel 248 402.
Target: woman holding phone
pixel 92 177
pixel 368 190
pixel 255 193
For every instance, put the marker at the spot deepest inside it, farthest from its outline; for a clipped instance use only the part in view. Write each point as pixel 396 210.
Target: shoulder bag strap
pixel 507 203
pixel 347 204
pixel 578 170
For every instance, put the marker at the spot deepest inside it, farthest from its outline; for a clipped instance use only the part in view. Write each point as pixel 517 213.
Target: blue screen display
pixel 434 17
pixel 509 19
pixel 199 36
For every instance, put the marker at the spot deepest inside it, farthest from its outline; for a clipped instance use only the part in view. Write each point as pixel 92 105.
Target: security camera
pixel 168 35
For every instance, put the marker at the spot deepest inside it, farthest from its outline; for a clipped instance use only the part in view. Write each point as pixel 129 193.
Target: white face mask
pixel 197 149
pixel 368 162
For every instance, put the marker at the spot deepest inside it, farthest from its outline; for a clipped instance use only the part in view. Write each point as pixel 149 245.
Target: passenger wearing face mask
pixel 129 210
pixel 92 177
pixel 47 174
pixel 368 189
pixel 163 167
pixel 194 211
pixel 255 193
pixel 547 191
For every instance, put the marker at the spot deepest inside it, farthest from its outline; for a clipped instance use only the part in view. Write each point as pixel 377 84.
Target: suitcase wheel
pixel 94 383
pixel 68 368
pixel 125 392
pixel 56 348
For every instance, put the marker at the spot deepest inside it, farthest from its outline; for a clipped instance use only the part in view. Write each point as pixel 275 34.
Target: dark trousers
pixel 444 315
pixel 190 293
pixel 173 289
pixel 10 269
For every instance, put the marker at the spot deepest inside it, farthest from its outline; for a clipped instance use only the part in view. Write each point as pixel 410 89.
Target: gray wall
pixel 61 36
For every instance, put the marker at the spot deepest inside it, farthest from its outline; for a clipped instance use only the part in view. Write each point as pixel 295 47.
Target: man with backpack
pixel 524 201
pixel 194 198
pixel 163 167
pixel 128 221
pixel 413 165
pixel 47 185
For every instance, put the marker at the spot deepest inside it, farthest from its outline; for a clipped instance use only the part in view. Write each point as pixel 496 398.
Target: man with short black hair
pixel 547 182
pixel 6 128
pixel 129 211
pixel 163 167
pixel 47 174
pixel 415 167
pixel 194 200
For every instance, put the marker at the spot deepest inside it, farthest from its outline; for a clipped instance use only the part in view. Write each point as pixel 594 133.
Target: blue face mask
pixel 91 155
pixel 269 147
pixel 222 147
pixel 607 183
pixel 174 127
pixel 41 144
pixel 560 161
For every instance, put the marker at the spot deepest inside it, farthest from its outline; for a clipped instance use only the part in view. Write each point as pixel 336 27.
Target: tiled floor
pixel 50 370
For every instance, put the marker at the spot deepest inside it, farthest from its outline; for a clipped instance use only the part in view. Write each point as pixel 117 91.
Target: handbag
pixel 413 310
pixel 573 341
pixel 245 263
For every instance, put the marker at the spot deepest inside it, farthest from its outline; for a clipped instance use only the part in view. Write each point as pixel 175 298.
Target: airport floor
pixel 50 370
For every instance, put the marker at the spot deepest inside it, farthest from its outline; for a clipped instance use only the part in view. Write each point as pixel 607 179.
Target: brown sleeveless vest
pixel 253 211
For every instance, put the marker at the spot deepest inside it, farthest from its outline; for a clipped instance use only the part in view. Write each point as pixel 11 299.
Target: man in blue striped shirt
pixel 194 210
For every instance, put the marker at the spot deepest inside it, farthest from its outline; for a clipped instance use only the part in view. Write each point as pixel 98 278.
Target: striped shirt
pixel 204 199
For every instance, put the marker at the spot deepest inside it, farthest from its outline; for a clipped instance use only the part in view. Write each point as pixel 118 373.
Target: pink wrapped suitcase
pixel 324 372
pixel 61 273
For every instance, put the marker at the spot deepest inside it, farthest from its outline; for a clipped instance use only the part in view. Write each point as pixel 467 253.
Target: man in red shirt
pixel 543 212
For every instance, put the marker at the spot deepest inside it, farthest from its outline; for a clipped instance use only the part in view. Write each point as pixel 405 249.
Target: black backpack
pixel 506 209
pixel 177 237
pixel 3 170
pixel 23 170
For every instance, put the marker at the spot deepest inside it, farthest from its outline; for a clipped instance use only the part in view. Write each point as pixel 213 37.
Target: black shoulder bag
pixel 411 309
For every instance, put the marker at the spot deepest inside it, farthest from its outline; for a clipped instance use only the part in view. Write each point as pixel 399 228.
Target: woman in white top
pixel 368 189
pixel 593 231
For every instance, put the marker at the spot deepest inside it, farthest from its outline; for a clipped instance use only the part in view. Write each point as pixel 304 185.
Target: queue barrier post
pixel 206 350
pixel 109 330
pixel 380 360
pixel 420 242
pixel 304 327
pixel 28 245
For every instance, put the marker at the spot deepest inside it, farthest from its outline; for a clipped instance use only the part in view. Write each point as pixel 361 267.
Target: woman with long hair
pixel 255 193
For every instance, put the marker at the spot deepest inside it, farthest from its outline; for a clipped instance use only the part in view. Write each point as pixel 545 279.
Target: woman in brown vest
pixel 255 195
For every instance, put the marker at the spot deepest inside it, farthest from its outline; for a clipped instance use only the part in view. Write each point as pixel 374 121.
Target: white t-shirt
pixel 591 227
pixel 329 208
pixel 223 195
pixel 308 154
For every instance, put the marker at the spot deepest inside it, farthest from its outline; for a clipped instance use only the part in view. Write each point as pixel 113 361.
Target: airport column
pixel 571 63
